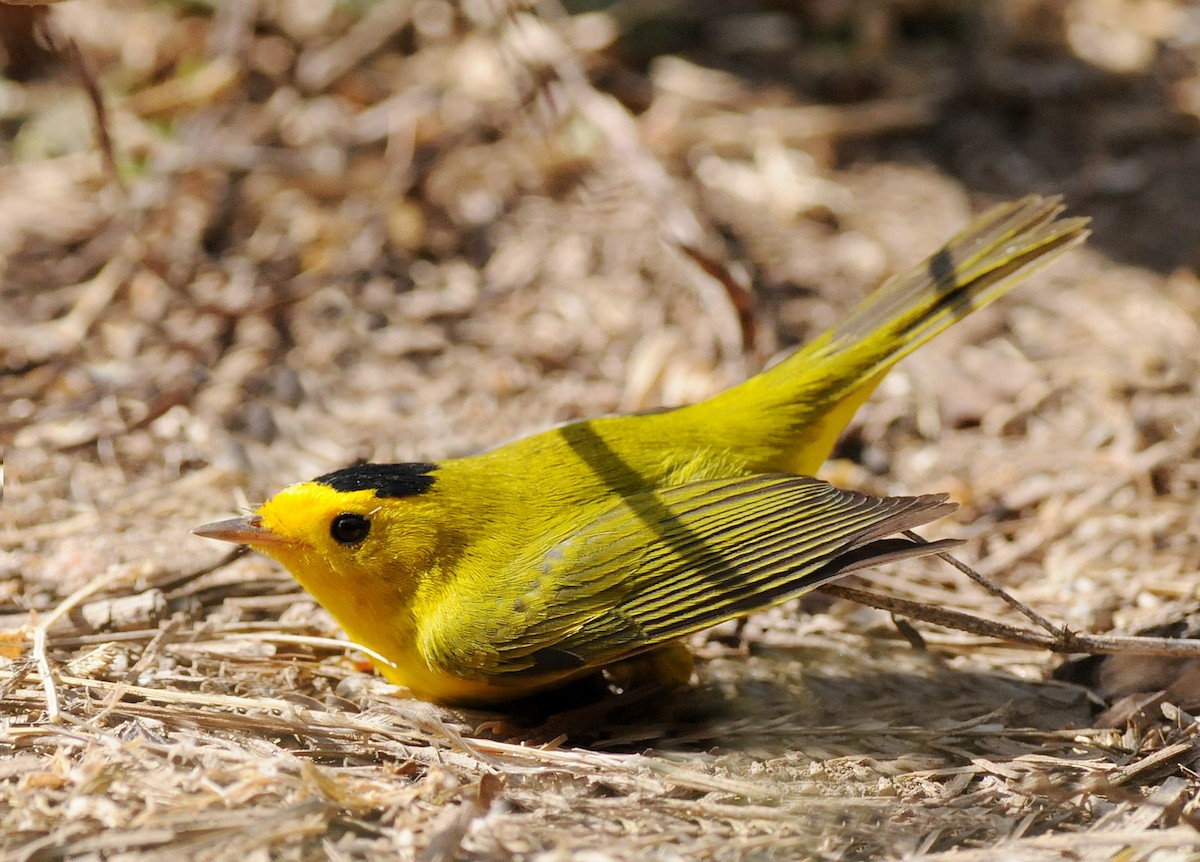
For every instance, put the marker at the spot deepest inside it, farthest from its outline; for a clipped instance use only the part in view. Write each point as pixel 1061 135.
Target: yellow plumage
pixel 601 542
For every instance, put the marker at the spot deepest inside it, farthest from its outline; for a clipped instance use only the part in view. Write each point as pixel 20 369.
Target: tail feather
pixel 792 414
pixel 1003 247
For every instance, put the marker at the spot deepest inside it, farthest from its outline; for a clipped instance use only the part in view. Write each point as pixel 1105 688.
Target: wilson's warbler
pixel 602 543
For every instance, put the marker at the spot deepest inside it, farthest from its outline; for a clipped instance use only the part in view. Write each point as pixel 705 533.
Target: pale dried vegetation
pixel 406 230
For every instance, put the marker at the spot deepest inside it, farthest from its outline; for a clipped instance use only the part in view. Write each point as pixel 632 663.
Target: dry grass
pixel 407 231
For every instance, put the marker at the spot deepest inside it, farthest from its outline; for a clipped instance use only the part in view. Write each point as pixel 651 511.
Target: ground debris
pixel 411 230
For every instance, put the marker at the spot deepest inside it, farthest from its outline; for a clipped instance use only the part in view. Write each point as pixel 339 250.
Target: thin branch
pixel 1066 641
pixel 87 79
pixel 996 590
pixel 40 655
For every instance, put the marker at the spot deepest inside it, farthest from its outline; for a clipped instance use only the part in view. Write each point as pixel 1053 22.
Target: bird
pixel 601 544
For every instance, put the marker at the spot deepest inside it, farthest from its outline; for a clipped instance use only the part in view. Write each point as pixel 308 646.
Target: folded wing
pixel 663 564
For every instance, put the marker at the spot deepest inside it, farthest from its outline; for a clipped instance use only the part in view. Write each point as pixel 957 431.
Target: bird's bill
pixel 241 531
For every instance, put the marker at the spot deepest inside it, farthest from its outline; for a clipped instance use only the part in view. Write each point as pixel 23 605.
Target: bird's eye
pixel 348 529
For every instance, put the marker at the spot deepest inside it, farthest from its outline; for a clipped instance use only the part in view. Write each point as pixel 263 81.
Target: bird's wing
pixel 662 564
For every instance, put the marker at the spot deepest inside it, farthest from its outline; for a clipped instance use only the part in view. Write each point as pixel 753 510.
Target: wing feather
pixel 663 564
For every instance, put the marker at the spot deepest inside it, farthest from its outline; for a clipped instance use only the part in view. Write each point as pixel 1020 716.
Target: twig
pixel 1066 641
pixel 45 672
pixel 87 79
pixel 739 296
pixel 187 577
pixel 40 656
pixel 995 589
pixel 311 640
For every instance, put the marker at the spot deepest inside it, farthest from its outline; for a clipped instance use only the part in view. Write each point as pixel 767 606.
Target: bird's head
pixel 358 539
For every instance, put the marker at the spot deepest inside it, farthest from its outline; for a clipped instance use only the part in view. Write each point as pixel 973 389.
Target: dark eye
pixel 348 529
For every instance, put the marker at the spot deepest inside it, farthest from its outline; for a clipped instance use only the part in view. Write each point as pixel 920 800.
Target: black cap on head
pixel 386 480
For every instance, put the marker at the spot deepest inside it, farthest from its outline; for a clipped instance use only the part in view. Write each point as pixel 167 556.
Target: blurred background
pixel 244 243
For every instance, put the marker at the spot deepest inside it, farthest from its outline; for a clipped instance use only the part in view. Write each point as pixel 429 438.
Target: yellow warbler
pixel 601 543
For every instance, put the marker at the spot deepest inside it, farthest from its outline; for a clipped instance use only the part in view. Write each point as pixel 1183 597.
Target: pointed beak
pixel 241 531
